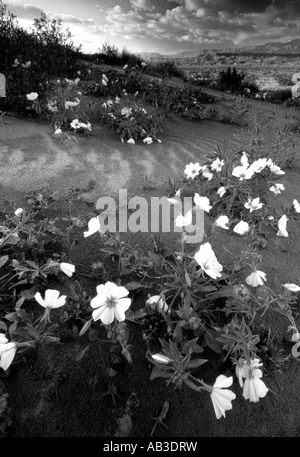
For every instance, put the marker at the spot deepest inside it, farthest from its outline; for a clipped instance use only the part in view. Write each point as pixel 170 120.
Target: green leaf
pixel 85 327
pixel 210 338
pixel 11 317
pixel 188 279
pixel 196 363
pixel 155 258
pixel 190 345
pixel 77 288
pixel 159 372
pixel 133 285
pixel 81 354
pixel 3 326
pixel 3 260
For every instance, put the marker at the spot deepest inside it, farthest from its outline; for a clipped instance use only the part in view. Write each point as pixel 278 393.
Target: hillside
pixel 291 47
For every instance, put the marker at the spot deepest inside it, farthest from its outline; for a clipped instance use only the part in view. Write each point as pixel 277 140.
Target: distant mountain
pixel 290 47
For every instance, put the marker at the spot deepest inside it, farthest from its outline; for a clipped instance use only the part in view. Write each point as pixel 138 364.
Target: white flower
pixel 256 278
pixel 26 65
pixel 295 78
pixel 158 140
pixel 241 228
pixel 242 172
pixel 217 164
pixel 223 222
pixel 58 132
pixel 207 260
pixel 254 204
pixel 67 268
pixel 277 189
pixel 143 64
pixel 7 352
pixel 148 140
pixel 94 226
pixel 125 111
pixel 254 387
pixel 16 63
pixel 202 203
pixel 125 66
pixel 110 303
pixel 86 126
pixel 158 303
pixel 18 212
pixel 292 287
pixel 222 398
pixel 192 170
pixel 51 300
pixel 161 358
pixel 241 370
pixel 206 173
pixel 131 141
pixel 296 206
pixel 174 200
pixel 296 90
pixel 71 104
pixel 258 165
pixel 32 96
pixel 117 100
pixel 184 221
pixel 75 124
pixel 104 83
pixel 282 226
pixel 244 159
pixel 274 168
pixel 52 106
pixel 105 77
pixel 221 191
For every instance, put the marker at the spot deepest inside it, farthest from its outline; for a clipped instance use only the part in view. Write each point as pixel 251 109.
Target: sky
pixel 167 26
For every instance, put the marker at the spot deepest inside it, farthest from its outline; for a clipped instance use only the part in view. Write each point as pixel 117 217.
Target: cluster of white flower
pixel 69 104
pixel 104 80
pixel 52 106
pixel 296 86
pixel 32 96
pixel 75 124
pixel 23 65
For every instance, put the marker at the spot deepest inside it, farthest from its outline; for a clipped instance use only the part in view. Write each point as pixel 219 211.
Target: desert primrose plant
pixel 131 120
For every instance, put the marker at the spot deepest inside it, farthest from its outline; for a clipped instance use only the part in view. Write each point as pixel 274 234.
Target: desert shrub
pixel 230 80
pixel 109 54
pixel 251 87
pixel 200 79
pixel 237 112
pixel 279 95
pixel 130 59
pixel 164 69
pixel 264 137
pixel 131 120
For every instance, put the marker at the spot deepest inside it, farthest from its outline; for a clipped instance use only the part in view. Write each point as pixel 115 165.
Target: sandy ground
pixel 31 157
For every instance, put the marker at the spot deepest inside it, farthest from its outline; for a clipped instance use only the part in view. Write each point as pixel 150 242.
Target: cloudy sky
pixel 167 26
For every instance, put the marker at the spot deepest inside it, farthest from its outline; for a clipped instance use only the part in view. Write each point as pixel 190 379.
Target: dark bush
pixel 230 80
pixel 164 69
pixel 30 60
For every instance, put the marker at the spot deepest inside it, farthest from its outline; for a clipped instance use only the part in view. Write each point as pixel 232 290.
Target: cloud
pixel 146 5
pixel 70 19
pixel 23 10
